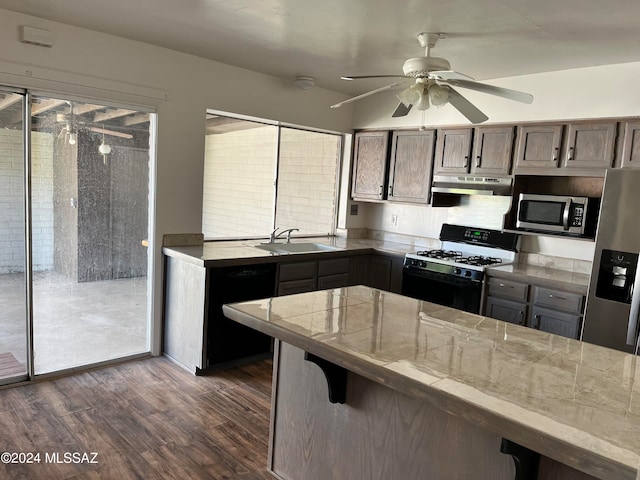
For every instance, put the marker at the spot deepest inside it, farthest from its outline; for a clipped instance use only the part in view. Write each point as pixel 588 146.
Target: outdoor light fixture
pixel 104 149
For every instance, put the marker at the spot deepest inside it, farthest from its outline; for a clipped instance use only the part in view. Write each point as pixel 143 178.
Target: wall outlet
pixel 394 220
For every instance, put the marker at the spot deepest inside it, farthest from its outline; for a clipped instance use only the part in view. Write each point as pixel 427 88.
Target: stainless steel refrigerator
pixel 613 304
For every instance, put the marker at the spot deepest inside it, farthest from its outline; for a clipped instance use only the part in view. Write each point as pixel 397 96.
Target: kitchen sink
pixel 295 247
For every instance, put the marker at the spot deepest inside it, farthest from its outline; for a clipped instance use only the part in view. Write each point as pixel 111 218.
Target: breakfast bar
pixel 371 384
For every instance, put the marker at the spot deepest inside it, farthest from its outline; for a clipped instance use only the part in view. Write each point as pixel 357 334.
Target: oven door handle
pixel 565 214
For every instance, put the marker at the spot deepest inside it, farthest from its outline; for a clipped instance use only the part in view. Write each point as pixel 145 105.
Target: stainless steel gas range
pixel 453 274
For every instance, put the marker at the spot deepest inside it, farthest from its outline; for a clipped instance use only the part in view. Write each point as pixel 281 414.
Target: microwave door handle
pixel 634 311
pixel 565 214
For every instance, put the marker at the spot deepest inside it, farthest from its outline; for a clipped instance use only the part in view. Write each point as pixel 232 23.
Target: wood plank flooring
pixel 147 419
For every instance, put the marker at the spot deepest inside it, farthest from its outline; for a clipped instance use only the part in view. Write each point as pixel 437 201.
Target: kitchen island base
pixel 378 433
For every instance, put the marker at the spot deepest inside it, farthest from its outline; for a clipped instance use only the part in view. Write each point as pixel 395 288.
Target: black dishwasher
pixel 228 342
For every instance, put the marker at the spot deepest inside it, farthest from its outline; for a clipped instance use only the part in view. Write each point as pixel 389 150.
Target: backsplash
pixel 536 259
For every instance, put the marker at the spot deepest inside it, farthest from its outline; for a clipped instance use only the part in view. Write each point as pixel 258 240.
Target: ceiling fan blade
pixel 449 75
pixel 357 77
pixel 111 132
pixel 381 89
pixel 492 90
pixel 465 107
pixel 401 110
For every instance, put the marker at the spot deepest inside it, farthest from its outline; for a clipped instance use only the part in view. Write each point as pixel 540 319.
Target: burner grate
pixel 479 260
pixel 442 254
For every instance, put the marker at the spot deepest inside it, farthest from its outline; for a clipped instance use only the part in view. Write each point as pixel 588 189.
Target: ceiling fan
pixel 72 125
pixel 430 81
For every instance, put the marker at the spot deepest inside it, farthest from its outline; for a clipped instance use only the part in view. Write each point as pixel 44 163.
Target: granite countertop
pixel 211 254
pixel 574 402
pixel 551 277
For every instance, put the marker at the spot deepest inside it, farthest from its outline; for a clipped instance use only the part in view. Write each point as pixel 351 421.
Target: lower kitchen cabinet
pixel 535 306
pixel 297 277
pixel 385 273
pixel 506 310
pixel 553 321
pixel 377 271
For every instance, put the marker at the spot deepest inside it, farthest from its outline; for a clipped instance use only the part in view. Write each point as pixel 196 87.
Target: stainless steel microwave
pixel 558 214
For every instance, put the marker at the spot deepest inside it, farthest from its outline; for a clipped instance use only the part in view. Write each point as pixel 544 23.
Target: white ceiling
pixel 328 38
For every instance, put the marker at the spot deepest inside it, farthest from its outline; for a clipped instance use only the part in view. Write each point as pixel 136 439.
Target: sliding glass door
pixel 74 221
pixel 13 281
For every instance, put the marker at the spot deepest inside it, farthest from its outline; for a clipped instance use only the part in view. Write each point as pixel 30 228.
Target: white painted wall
pixel 112 69
pixel 594 92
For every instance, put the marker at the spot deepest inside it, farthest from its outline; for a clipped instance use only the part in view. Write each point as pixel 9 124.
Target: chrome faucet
pixel 274 236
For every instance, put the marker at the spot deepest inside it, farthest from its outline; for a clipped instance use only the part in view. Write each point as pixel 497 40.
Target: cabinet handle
pixel 557 296
pixel 536 323
pixel 505 285
pixel 478 161
pixel 521 322
pixel 390 190
pixel 466 161
pixel 555 155
pixel 570 157
pixel 381 190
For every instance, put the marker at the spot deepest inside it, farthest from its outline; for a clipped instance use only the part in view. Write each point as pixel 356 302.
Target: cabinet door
pixel 410 166
pixel 505 310
pixel 369 165
pixel 559 323
pixel 493 147
pixel 379 272
pixel 538 146
pixel 453 148
pixel 631 145
pixel 358 267
pixel 590 145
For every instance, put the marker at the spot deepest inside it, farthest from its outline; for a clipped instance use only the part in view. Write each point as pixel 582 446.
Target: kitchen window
pixel 259 176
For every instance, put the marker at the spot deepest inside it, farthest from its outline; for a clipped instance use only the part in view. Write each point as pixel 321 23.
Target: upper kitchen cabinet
pixel 410 166
pixel 577 148
pixel 492 150
pixel 538 146
pixel 630 148
pixel 369 165
pixel 590 145
pixel 453 149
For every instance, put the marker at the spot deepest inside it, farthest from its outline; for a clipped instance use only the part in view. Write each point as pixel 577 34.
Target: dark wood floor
pixel 147 419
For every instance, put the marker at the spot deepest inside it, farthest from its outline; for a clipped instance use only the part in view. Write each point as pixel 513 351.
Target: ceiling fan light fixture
pixel 412 95
pixel 438 94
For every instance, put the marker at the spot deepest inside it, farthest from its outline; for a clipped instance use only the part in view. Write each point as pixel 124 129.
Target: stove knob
pixel 457 271
pixel 467 273
pixel 422 264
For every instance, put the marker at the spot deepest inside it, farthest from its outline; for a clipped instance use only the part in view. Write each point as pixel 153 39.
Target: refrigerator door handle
pixel 565 214
pixel 634 311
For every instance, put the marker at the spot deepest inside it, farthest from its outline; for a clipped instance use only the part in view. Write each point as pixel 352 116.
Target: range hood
pixel 471 185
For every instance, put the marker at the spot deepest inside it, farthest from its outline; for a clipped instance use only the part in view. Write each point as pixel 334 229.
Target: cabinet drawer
pixel 333 266
pixel 298 271
pixel 296 286
pixel 507 288
pixel 333 281
pixel 570 302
